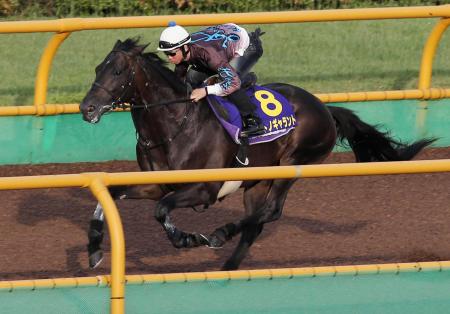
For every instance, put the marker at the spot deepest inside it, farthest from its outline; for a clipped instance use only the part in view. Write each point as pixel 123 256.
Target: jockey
pixel 214 50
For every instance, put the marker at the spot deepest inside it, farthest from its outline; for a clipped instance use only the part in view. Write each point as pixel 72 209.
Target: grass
pixel 320 57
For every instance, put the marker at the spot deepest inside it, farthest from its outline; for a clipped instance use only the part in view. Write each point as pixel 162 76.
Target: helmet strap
pixel 184 51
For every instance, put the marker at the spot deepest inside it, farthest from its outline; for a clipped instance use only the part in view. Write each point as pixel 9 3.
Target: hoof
pixel 178 239
pixel 95 259
pixel 229 266
pixel 214 242
pixel 189 240
pixel 202 239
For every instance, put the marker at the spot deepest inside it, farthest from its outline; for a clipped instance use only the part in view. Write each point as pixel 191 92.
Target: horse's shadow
pixel 316 226
pixel 73 209
pixel 46 204
pixel 144 236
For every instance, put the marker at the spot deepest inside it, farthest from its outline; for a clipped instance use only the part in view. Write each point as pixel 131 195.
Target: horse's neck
pixel 152 92
pixel 155 90
pixel 158 123
pixel 180 132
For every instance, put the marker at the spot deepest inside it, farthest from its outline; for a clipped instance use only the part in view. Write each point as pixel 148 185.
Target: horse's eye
pixel 117 73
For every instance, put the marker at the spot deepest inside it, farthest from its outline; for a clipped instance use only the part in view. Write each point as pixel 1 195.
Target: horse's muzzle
pixel 93 113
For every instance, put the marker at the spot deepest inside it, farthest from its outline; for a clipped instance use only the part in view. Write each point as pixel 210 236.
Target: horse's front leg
pixel 191 195
pixel 95 233
pixel 95 236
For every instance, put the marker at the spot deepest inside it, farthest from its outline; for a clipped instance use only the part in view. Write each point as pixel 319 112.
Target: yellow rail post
pixel 64 26
pixel 40 88
pixel 429 52
pixel 426 70
pixel 95 182
pixel 115 229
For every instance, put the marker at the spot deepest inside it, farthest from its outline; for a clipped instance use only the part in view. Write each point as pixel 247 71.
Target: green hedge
pixel 68 8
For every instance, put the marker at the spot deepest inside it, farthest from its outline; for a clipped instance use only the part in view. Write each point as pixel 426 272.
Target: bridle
pixel 117 103
pixel 118 100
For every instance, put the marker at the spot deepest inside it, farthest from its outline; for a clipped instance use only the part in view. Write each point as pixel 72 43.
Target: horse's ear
pixel 140 49
pixel 117 44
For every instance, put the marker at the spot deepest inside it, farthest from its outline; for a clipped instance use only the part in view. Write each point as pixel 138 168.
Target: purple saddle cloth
pixel 276 113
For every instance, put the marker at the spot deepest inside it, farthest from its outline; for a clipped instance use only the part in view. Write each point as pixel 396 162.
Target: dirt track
pixel 326 221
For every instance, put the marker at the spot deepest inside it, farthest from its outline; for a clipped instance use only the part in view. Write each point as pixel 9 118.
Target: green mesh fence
pixel 85 300
pixel 67 138
pixel 408 292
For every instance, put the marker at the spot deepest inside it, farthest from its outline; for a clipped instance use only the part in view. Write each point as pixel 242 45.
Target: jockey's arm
pixel 229 82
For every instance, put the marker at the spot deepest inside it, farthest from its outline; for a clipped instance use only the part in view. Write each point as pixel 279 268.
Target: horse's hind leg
pixel 264 207
pixel 249 234
pixel 254 199
pixel 95 233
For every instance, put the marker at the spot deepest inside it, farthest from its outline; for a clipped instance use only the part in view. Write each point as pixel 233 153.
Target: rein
pixel 147 106
pixel 118 104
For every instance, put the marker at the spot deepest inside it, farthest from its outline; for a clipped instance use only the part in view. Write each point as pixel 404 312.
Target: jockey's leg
pixel 251 123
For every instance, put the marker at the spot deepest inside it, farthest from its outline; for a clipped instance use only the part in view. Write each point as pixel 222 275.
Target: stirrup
pixel 253 130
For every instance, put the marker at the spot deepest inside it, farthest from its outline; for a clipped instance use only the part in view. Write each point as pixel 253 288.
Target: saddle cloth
pixel 274 110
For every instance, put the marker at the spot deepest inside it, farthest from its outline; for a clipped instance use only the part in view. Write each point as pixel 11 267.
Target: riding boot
pixel 251 123
pixel 251 126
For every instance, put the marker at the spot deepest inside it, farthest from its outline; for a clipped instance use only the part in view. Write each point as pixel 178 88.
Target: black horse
pixel 188 136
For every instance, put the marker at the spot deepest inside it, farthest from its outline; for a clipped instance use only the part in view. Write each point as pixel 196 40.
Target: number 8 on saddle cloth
pixel 274 110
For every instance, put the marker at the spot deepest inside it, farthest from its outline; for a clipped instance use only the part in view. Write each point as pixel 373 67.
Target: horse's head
pixel 114 79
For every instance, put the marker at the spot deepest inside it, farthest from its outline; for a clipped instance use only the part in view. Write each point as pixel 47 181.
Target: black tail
pixel 369 144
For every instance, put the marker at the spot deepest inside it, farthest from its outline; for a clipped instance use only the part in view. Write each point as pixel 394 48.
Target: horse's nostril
pixel 91 108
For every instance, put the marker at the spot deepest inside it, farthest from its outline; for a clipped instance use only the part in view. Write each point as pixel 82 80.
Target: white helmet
pixel 173 37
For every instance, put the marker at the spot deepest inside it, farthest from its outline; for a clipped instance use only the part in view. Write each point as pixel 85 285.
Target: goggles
pixel 171 53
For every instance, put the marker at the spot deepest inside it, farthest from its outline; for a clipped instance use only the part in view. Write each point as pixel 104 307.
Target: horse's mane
pixel 132 47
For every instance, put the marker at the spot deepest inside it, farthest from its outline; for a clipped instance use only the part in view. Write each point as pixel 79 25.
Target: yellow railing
pixel 64 27
pixel 424 94
pixel 97 182
pixel 317 272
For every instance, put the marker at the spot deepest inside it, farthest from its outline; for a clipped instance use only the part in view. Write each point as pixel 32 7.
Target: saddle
pixel 274 110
